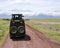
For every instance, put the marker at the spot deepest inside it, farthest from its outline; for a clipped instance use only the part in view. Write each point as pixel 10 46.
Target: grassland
pixel 45 28
pixel 55 25
pixel 46 20
pixel 4 29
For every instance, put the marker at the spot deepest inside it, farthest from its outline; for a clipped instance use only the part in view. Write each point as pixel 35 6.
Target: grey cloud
pixel 17 10
pixel 3 0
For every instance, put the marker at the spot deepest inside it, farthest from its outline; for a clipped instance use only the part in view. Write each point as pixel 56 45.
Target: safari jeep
pixel 17 26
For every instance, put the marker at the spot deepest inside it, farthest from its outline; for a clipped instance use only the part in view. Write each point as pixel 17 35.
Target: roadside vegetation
pixel 46 20
pixel 51 30
pixel 4 29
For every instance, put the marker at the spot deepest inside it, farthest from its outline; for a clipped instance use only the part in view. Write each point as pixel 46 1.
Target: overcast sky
pixel 30 6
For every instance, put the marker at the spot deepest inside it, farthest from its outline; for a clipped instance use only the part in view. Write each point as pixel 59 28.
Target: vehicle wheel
pixel 21 29
pixel 13 29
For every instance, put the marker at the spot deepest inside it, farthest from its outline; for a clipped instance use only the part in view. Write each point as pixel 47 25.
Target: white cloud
pixel 35 6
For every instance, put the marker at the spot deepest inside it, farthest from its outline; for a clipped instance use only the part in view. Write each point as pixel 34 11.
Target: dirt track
pixel 33 39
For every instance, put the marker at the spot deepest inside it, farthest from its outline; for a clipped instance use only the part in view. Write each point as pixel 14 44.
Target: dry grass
pixel 46 29
pixel 4 28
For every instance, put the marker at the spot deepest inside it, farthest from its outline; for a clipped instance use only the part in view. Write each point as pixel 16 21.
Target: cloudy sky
pixel 30 6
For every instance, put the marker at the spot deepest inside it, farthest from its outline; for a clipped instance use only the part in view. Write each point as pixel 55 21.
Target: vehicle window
pixel 16 16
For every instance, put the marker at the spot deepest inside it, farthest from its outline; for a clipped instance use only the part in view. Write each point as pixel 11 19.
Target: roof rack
pixel 18 15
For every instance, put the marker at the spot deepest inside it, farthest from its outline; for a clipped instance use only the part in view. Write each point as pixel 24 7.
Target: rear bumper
pixel 17 35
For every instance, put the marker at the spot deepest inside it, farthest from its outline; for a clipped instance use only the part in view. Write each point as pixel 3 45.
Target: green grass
pixel 46 20
pixel 4 28
pixel 53 35
pixel 55 25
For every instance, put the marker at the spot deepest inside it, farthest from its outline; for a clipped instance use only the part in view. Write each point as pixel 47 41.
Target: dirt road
pixel 33 39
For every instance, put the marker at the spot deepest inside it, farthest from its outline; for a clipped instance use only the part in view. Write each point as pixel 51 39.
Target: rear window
pixel 16 16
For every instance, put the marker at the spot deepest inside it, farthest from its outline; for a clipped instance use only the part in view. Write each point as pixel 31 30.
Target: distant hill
pixel 5 15
pixel 44 16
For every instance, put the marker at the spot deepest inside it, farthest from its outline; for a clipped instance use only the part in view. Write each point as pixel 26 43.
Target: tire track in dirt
pixel 33 39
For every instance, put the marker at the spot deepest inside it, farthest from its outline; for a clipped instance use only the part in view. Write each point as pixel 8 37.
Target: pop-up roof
pixel 17 15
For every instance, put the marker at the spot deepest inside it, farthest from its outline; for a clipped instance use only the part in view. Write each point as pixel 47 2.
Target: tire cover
pixel 13 29
pixel 21 29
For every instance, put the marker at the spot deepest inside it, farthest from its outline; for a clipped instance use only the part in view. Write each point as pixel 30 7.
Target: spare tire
pixel 13 29
pixel 21 29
